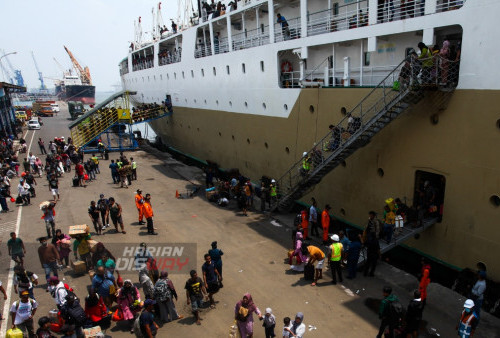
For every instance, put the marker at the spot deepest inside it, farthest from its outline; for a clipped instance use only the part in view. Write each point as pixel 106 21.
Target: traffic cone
pixel 177 194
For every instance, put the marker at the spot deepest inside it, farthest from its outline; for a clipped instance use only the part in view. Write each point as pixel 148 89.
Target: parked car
pixel 33 124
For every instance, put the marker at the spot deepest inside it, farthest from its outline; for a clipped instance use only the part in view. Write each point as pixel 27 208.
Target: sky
pixel 97 32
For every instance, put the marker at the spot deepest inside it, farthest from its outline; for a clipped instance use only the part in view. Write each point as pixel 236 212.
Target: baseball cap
pixel 25 293
pixel 149 302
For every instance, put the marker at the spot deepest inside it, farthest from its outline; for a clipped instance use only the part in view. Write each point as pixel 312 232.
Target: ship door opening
pixel 428 198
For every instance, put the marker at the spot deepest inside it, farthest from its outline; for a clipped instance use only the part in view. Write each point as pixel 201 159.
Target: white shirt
pixel 24 310
pixel 286 333
pixel 300 330
pixel 23 189
pixel 479 288
pixel 60 294
pixel 32 159
pixel 313 214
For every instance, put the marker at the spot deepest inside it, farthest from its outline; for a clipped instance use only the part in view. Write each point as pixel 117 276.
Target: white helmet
pixel 335 238
pixel 273 181
pixel 304 154
pixel 469 304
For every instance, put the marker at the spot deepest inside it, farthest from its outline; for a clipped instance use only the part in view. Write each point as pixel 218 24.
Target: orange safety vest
pixel 147 209
pixel 139 201
pixel 325 219
pixel 305 222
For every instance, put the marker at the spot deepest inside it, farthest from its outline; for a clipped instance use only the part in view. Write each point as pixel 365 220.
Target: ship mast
pixel 84 72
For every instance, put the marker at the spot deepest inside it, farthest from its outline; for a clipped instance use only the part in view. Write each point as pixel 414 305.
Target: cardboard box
pixel 93 332
pixel 75 230
pixel 92 245
pixel 79 267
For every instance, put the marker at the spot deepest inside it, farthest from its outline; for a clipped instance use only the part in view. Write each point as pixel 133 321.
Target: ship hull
pixel 82 93
pixel 454 148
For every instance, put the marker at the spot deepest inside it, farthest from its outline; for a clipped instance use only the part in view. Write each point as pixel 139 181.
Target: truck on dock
pixel 43 108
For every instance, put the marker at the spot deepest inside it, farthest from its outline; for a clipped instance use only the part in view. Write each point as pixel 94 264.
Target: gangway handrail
pixel 99 106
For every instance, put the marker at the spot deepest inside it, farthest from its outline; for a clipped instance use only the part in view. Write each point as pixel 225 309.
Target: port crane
pixel 40 76
pixel 84 72
pixel 14 75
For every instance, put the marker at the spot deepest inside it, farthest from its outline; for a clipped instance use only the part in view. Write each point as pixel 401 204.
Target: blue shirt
pixel 101 284
pixel 113 167
pixel 345 243
pixel 282 21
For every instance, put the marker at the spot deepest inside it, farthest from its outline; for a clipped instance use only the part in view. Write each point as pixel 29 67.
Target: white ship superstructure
pixel 251 93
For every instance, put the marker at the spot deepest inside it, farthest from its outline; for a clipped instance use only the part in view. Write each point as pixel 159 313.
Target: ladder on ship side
pixel 111 122
pixel 376 110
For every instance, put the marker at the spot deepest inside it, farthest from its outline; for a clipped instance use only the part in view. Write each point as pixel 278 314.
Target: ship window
pixel 262 65
pixel 336 8
pixel 143 79
pixel 217 102
pixel 243 69
pixel 148 78
pixel 202 72
pixel 215 71
pixel 264 105
pixel 175 75
pixel 183 75
pixel 230 103
pixel 429 186
pixel 246 104
pixel 366 61
pixel 287 150
pixel 495 200
pixel 192 73
pixel 285 106
pixel 161 77
pixel 227 69
pixel 168 77
pixel 205 101
pixel 154 77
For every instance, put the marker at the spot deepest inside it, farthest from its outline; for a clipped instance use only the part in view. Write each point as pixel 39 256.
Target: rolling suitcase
pixel 309 272
pixel 76 182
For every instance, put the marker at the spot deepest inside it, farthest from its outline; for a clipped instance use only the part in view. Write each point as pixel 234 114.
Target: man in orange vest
pixel 424 281
pixel 325 223
pixel 139 201
pixel 305 223
pixel 147 210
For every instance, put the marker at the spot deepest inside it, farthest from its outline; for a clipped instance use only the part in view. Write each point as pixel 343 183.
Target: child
pixel 44 329
pixel 287 328
pixel 269 323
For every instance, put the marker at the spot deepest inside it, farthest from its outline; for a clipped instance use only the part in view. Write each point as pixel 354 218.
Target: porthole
pixel 215 71
pixel 285 106
pixel 266 145
pixel 217 102
pixel 248 140
pixel 205 101
pixel 202 72
pixel 287 150
pixel 168 77
pixel 264 105
pixel 342 211
pixel 380 172
pixel 161 77
pixel 311 108
pixel 227 70
pixel 154 77
pixel 220 134
pixel 243 68
pixel 192 73
pixel 183 75
pixel 262 66
pixel 148 78
pixel 434 119
pixel 194 100
pixel 232 136
pixel 175 75
pixel 495 200
pixel 343 111
pixel 246 104
pixel 198 129
pixel 230 103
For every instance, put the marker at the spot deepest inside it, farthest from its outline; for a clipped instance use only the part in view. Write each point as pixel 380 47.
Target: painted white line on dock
pixel 8 290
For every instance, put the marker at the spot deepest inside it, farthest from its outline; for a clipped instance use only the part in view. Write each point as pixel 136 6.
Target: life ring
pixel 286 67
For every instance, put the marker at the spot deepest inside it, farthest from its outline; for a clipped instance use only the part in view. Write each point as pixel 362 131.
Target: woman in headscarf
pixel 298 327
pixel 243 313
pixel 299 238
pixel 146 283
pixel 129 301
pixel 216 254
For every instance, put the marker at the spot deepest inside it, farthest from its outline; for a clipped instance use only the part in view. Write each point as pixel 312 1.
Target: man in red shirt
pixel 80 172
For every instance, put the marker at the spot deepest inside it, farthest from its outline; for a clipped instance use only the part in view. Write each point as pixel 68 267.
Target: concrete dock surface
pixel 255 249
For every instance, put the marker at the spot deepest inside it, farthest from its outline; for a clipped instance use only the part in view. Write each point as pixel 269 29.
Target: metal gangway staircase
pixel 381 106
pixel 110 122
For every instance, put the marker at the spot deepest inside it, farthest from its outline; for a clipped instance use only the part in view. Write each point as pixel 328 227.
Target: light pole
pixel 1 57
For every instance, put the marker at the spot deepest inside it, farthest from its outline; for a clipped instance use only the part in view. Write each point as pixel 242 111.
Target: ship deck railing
pixel 293 31
pixel 172 58
pixel 251 38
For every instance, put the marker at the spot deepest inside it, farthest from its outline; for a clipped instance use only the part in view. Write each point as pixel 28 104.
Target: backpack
pixel 77 313
pixel 396 313
pixel 18 303
pixel 137 327
pixel 162 292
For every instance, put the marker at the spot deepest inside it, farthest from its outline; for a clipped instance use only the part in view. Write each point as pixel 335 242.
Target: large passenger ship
pixel 254 93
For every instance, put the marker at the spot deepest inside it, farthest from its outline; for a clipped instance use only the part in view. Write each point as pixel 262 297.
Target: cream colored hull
pixel 461 146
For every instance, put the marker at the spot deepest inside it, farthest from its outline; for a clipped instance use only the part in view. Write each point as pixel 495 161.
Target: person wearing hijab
pixel 243 313
pixel 216 254
pixel 444 54
pixel 299 239
pixel 129 302
pixel 298 327
pixel 146 283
